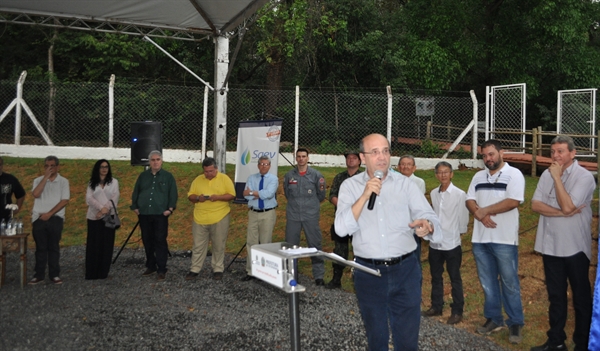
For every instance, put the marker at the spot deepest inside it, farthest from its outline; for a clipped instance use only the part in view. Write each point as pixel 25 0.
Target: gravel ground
pixel 131 312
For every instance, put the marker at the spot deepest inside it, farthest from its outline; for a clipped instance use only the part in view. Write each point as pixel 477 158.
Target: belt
pixel 387 262
pixel 263 210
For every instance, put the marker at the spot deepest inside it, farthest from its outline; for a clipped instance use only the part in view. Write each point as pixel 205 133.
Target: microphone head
pixel 378 174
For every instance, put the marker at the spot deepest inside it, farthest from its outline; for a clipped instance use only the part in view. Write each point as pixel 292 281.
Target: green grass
pixel 180 238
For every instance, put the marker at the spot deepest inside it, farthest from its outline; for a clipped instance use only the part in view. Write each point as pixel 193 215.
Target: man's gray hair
pixel 52 158
pixel 564 139
pixel 443 164
pixel 264 158
pixel 155 152
pixel 410 157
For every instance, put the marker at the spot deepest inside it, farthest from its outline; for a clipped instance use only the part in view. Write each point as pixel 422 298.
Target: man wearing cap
pixel 341 242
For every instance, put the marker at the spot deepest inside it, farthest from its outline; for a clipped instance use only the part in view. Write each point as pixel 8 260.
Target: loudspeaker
pixel 145 137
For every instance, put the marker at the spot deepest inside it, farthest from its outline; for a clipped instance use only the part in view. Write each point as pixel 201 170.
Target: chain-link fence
pixel 330 122
pixel 507 116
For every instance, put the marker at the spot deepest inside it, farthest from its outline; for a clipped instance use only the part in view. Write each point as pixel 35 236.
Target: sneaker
pixel 217 275
pixel 432 312
pixel 489 327
pixel 35 281
pixel 454 319
pixel 191 276
pixel 548 347
pixel 161 276
pixel 319 282
pixel 56 280
pixel 148 272
pixel 514 334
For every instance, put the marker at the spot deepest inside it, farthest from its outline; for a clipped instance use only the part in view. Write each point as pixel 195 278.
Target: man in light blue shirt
pixel 261 191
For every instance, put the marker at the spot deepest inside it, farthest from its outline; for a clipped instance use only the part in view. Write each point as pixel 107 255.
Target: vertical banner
pixel 255 138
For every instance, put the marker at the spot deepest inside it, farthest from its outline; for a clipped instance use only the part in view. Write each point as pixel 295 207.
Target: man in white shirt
pixel 562 198
pixel 407 166
pixel 493 198
pixel 448 202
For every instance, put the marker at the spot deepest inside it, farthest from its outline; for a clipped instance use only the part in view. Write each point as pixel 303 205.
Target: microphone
pixel 378 175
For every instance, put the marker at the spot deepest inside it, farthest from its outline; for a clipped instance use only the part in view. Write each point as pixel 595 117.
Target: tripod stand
pixel 126 241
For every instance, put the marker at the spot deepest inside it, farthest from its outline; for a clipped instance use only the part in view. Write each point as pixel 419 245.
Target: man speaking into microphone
pixel 382 239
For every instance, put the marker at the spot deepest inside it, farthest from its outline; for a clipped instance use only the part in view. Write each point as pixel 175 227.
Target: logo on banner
pixel 273 133
pixel 245 159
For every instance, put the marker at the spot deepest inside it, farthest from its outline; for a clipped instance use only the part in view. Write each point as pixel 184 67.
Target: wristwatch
pixel 251 193
pixel 431 225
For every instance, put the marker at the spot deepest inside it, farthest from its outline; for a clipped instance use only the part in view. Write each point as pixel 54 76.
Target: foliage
pixel 430 149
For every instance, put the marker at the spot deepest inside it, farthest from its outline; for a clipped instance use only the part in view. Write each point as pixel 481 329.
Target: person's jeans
pixel 453 259
pixel 393 298
pixel 155 229
pixel 497 267
pixel 47 235
pixel 576 269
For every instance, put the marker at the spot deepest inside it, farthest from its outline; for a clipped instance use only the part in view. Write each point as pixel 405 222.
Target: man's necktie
pixel 261 203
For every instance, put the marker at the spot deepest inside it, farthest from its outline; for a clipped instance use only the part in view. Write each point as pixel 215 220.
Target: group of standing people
pixel 384 213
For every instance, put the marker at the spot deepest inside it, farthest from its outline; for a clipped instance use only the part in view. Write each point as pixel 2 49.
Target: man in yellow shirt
pixel 211 193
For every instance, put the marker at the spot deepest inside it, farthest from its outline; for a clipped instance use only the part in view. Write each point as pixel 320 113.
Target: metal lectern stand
pixel 277 264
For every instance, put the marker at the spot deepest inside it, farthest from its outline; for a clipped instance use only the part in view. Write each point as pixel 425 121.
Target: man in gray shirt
pixel 562 198
pixel 51 194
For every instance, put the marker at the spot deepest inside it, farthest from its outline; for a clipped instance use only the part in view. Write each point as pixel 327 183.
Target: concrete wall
pixel 195 156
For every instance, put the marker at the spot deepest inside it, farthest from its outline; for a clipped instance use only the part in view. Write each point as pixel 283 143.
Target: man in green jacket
pixel 154 199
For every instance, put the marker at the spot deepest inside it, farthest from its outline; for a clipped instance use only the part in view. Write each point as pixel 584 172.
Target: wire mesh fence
pixel 329 122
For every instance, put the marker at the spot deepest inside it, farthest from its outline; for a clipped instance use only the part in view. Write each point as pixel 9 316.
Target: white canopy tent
pixel 176 19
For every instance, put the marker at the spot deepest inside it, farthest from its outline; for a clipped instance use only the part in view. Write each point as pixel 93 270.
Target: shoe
pixel 333 284
pixel 514 334
pixel 217 275
pixel 432 312
pixel 161 276
pixel 148 272
pixel 56 280
pixel 489 327
pixel 548 347
pixel 247 278
pixel 319 282
pixel 454 319
pixel 191 276
pixel 35 281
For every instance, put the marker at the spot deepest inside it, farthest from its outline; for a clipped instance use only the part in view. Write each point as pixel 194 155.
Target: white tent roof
pixel 180 18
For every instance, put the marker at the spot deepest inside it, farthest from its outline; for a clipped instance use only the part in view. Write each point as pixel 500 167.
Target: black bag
pixel 112 221
pixel 335 237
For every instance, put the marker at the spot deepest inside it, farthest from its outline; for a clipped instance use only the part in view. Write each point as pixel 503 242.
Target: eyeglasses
pixel 443 173
pixel 264 164
pixel 377 153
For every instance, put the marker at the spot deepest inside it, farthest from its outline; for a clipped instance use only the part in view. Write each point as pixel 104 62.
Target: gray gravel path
pixel 131 312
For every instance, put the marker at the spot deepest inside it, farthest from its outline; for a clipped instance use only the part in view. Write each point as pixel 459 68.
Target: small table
pixel 13 243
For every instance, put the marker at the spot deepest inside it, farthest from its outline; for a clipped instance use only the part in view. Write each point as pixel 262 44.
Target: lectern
pixel 277 264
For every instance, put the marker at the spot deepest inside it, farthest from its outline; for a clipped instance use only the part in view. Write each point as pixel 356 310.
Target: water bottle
pixel 20 226
pixel 8 230
pixel 3 227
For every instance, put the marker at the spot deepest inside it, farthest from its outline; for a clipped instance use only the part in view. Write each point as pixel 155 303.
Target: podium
pixel 15 243
pixel 277 264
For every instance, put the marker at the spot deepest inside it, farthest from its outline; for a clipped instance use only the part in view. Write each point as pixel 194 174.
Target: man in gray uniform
pixel 305 189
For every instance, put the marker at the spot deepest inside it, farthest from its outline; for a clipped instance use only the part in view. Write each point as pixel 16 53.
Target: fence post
pixel 111 110
pixel 539 140
pixel 204 121
pixel 297 121
pixel 598 156
pixel 448 130
pixel 428 132
pixel 475 124
pixel 534 147
pixel 389 113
